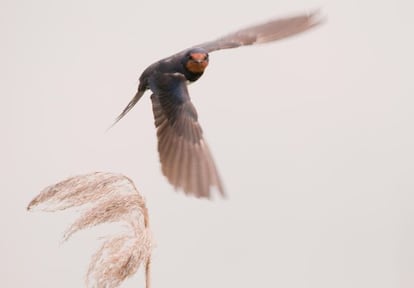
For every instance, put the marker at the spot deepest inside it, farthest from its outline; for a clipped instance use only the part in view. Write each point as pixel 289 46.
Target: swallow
pixel 185 158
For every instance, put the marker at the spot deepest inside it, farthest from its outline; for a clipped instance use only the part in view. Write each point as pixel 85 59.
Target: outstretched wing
pixel 184 154
pixel 270 31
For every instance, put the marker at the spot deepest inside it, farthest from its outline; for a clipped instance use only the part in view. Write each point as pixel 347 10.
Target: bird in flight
pixel 185 158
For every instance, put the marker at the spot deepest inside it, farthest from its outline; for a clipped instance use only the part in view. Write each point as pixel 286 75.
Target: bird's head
pixel 196 60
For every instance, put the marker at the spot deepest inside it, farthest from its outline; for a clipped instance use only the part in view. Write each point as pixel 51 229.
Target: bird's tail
pixel 129 106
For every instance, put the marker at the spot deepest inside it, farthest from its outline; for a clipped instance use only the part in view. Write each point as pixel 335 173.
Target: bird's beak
pixel 198 57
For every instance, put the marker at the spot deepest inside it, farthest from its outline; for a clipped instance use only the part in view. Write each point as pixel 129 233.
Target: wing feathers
pixel 185 158
pixel 270 31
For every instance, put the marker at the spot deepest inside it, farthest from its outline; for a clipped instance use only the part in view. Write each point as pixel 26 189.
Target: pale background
pixel 313 137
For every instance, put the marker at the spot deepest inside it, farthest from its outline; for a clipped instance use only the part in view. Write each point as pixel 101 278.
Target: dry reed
pixel 105 198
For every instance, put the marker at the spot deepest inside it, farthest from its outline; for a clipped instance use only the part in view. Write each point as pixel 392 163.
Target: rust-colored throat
pixel 197 62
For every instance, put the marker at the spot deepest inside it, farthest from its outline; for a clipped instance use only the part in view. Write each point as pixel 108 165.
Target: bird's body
pixel 184 155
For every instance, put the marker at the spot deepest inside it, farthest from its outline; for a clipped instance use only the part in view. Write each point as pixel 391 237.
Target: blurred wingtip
pixel 317 17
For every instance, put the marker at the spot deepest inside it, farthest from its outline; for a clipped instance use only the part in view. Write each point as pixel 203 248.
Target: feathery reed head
pixel 105 197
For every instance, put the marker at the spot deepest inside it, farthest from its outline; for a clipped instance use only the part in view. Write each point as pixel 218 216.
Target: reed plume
pixel 105 198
